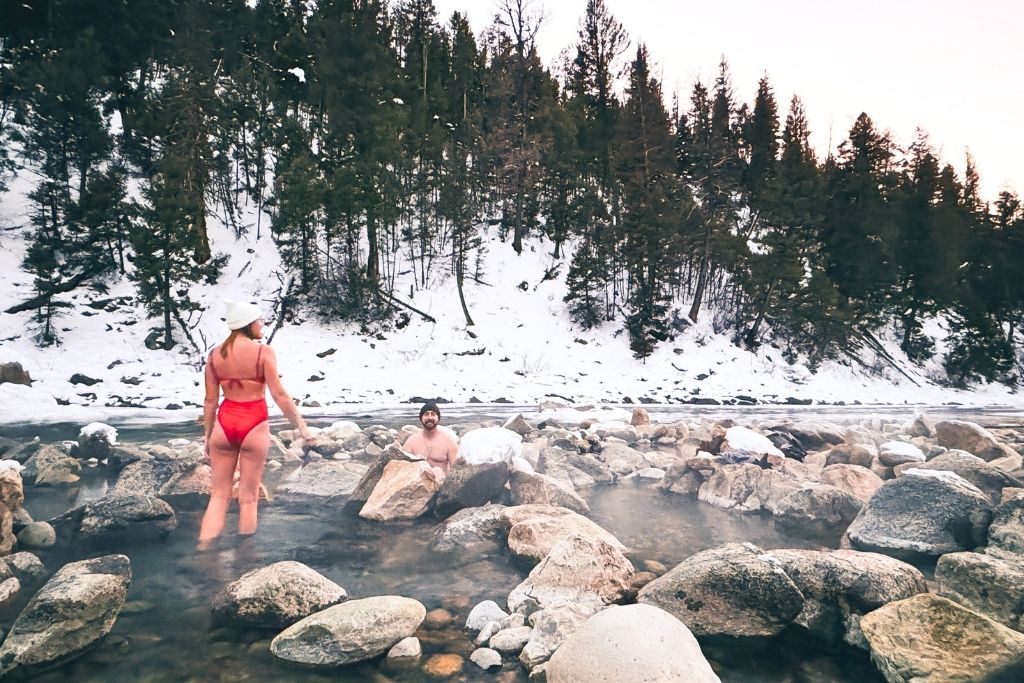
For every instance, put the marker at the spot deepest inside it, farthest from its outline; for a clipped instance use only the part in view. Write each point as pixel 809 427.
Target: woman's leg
pixel 251 459
pixel 223 459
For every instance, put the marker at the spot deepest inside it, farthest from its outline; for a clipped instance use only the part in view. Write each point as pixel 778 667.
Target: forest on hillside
pixel 379 136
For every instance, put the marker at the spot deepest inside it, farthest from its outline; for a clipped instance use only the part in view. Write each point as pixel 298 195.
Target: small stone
pixel 487 631
pixel 486 658
pixel 444 665
pixel 655 567
pixel 437 618
pixel 485 612
pixel 406 649
pixel 26 566
pixel 511 640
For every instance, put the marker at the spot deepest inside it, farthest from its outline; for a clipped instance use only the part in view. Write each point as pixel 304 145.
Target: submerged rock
pixel 277 595
pixel 350 632
pixel 470 530
pixel 930 639
pixel 117 518
pixel 734 590
pixel 631 644
pixel 923 512
pixel 76 607
pixel 322 480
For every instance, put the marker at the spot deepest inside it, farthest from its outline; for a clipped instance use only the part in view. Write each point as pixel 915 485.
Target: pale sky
pixel 951 67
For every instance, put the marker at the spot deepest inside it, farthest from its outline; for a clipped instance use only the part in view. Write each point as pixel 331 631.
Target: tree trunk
pixel 702 276
pixel 168 337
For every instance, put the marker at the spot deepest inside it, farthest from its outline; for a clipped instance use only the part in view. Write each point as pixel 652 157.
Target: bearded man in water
pixel 439 447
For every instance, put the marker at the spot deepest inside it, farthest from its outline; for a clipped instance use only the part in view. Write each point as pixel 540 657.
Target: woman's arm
pixel 278 393
pixel 210 402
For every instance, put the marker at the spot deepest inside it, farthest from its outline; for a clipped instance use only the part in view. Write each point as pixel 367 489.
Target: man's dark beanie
pixel 430 406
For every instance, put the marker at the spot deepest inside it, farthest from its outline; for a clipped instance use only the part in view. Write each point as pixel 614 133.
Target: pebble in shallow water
pixel 444 665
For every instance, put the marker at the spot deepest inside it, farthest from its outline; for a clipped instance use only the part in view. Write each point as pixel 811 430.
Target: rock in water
pixel 117 518
pixel 404 491
pixel 350 632
pixel 578 569
pixel 277 595
pixel 532 488
pixel 471 484
pixel 76 607
pixel 734 590
pixel 923 512
pixel 970 437
pixel 631 644
pixel 535 529
pixel 95 440
pixel 817 510
pixel 469 531
pixel 929 639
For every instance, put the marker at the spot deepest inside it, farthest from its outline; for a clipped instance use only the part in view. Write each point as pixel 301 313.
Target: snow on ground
pixel 522 348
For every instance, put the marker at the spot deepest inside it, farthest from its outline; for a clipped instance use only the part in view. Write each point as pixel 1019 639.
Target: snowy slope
pixel 522 348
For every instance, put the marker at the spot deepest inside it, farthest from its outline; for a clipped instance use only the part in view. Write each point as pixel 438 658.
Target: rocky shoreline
pixel 884 498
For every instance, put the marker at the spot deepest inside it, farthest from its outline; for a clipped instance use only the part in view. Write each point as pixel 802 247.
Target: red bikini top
pixel 237 381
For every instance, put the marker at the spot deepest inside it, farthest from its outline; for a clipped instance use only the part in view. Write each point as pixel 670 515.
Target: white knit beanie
pixel 238 314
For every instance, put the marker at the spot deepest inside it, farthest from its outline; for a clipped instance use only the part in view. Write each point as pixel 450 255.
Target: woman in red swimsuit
pixel 238 434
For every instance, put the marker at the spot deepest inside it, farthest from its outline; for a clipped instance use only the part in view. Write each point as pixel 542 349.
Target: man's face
pixel 429 419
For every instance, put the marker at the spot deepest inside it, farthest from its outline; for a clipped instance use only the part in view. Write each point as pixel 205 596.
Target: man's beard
pixel 429 424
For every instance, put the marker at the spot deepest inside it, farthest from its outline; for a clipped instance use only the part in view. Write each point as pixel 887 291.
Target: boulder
pixel 533 530
pixel 551 626
pixel 95 440
pixel 10 587
pixel 970 437
pixel 854 479
pixel 733 590
pixel 578 569
pixel 518 424
pixel 52 466
pixel 321 481
pixel 26 567
pixel 7 537
pixel 817 510
pixel 849 454
pixel 989 479
pixel 470 530
pixel 893 453
pixel 178 477
pixel 404 491
pixel 350 632
pixel 986 584
pixel 1006 533
pixel 921 425
pixel 746 488
pixel 12 491
pixel 923 512
pixel 510 640
pixel 116 518
pixel 841 586
pixel 76 607
pixel 472 484
pixel 580 470
pixel 815 435
pixel 930 639
pixel 640 417
pixel 276 596
pixel 490 445
pixel 37 535
pixel 532 488
pixel 370 476
pixel 742 445
pixel 631 644
pixel 13 373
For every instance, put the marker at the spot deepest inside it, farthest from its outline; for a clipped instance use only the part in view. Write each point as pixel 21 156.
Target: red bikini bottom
pixel 238 418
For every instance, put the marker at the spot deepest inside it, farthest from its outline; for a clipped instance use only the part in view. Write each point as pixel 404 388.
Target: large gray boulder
pixel 986 584
pixel 930 639
pixel 970 437
pixel 116 518
pixel 75 609
pixel 404 491
pixel 893 453
pixel 734 590
pixel 631 644
pixel 815 435
pixel 470 531
pixel 350 632
pixel 840 586
pixel 533 530
pixel 535 488
pixel 276 596
pixel 747 488
pixel 578 569
pixel 817 511
pixel 849 454
pixel 922 512
pixel 471 485
pixel 182 475
pixel 52 466
pixel 12 489
pixel 990 480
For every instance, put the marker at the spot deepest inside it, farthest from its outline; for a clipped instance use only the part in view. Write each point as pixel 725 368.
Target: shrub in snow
pixel 490 444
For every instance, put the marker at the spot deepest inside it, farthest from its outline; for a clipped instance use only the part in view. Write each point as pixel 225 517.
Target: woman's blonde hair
pixel 244 331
